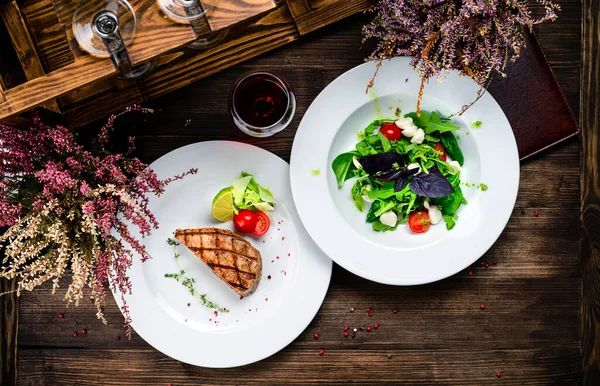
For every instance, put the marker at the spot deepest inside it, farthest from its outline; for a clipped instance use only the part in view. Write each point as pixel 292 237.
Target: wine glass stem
pixel 106 26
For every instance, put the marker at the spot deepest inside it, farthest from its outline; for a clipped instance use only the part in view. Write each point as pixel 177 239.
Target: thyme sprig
pixel 189 282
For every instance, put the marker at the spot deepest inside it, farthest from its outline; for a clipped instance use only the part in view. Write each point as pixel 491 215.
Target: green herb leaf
pixel 450 203
pixel 263 207
pixel 379 227
pixel 385 206
pixel 419 121
pixel 239 188
pixel 450 221
pixel 451 145
pixel 266 195
pixel 436 124
pixel 372 210
pixel 341 165
pixel 385 143
pixel 357 197
pixel 364 148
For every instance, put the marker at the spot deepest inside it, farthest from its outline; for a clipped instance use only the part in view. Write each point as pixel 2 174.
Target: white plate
pixel 260 324
pixel 330 127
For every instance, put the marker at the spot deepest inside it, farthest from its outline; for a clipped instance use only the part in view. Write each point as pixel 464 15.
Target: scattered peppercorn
pixel 389 356
pixel 75 333
pixel 482 306
pixel 395 311
pixel 470 273
pixel 368 328
pixel 316 336
pixel 494 262
pixel 498 374
pixel 536 213
pixel 117 337
pixel 84 331
pixel 346 334
pixel 269 277
pixel 61 316
pixel 376 326
pixel 346 328
pixel 351 309
pixel 321 352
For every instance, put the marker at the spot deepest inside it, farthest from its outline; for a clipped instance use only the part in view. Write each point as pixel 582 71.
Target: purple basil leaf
pixel 389 175
pixel 432 185
pixel 400 184
pixel 380 162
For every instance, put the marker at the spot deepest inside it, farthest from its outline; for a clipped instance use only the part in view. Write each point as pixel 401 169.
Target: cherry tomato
pixel 419 222
pixel 440 148
pixel 262 224
pixel 391 131
pixel 245 221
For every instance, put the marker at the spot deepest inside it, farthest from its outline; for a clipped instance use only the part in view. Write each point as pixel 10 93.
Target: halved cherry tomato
pixel 419 222
pixel 245 221
pixel 391 131
pixel 262 224
pixel 440 148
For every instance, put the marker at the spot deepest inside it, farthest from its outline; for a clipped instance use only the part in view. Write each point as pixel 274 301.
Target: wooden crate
pixel 55 74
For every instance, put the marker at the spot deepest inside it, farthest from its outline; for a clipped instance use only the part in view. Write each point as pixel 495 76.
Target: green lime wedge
pixel 222 205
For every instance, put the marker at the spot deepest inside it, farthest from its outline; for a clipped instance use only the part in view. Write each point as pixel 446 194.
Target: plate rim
pixel 309 311
pixel 296 175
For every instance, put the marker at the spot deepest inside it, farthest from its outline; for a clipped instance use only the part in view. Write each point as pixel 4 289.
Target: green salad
pixel 407 170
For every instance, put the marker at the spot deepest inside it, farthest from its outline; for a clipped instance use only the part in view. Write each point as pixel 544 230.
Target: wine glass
pixel 105 28
pixel 262 103
pixel 193 12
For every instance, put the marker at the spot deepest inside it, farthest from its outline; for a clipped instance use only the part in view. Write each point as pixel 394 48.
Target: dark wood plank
pixel 320 16
pixel 2 88
pixel 9 322
pixel 48 34
pixel 346 365
pixel 298 7
pixel 227 13
pixel 590 193
pixel 54 84
pixel 23 45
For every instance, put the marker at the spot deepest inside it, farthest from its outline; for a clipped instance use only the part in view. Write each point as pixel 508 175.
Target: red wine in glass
pixel 262 103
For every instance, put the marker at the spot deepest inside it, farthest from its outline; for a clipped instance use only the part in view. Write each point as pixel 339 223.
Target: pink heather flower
pixel 44 164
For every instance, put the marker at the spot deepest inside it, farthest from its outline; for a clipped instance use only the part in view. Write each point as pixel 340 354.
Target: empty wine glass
pixel 193 12
pixel 105 28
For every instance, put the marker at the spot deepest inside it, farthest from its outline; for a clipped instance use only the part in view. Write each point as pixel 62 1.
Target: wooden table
pixel 535 317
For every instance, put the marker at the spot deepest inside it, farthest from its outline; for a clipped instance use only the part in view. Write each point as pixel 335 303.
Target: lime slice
pixel 222 206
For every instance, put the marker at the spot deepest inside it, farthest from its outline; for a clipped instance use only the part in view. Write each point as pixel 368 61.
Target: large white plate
pixel 330 127
pixel 260 324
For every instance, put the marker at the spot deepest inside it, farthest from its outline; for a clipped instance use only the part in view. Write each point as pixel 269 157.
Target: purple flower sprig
pixel 66 206
pixel 478 38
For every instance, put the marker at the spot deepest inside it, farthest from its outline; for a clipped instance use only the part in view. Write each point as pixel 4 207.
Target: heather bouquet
pixel 478 38
pixel 65 207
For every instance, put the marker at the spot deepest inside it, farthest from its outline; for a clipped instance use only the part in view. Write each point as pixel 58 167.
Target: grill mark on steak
pixel 231 268
pixel 232 258
pixel 220 249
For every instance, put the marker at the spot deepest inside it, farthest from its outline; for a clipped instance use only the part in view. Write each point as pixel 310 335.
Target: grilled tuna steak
pixel 232 258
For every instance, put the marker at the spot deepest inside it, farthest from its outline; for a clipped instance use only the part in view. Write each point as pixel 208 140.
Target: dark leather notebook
pixel 534 103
